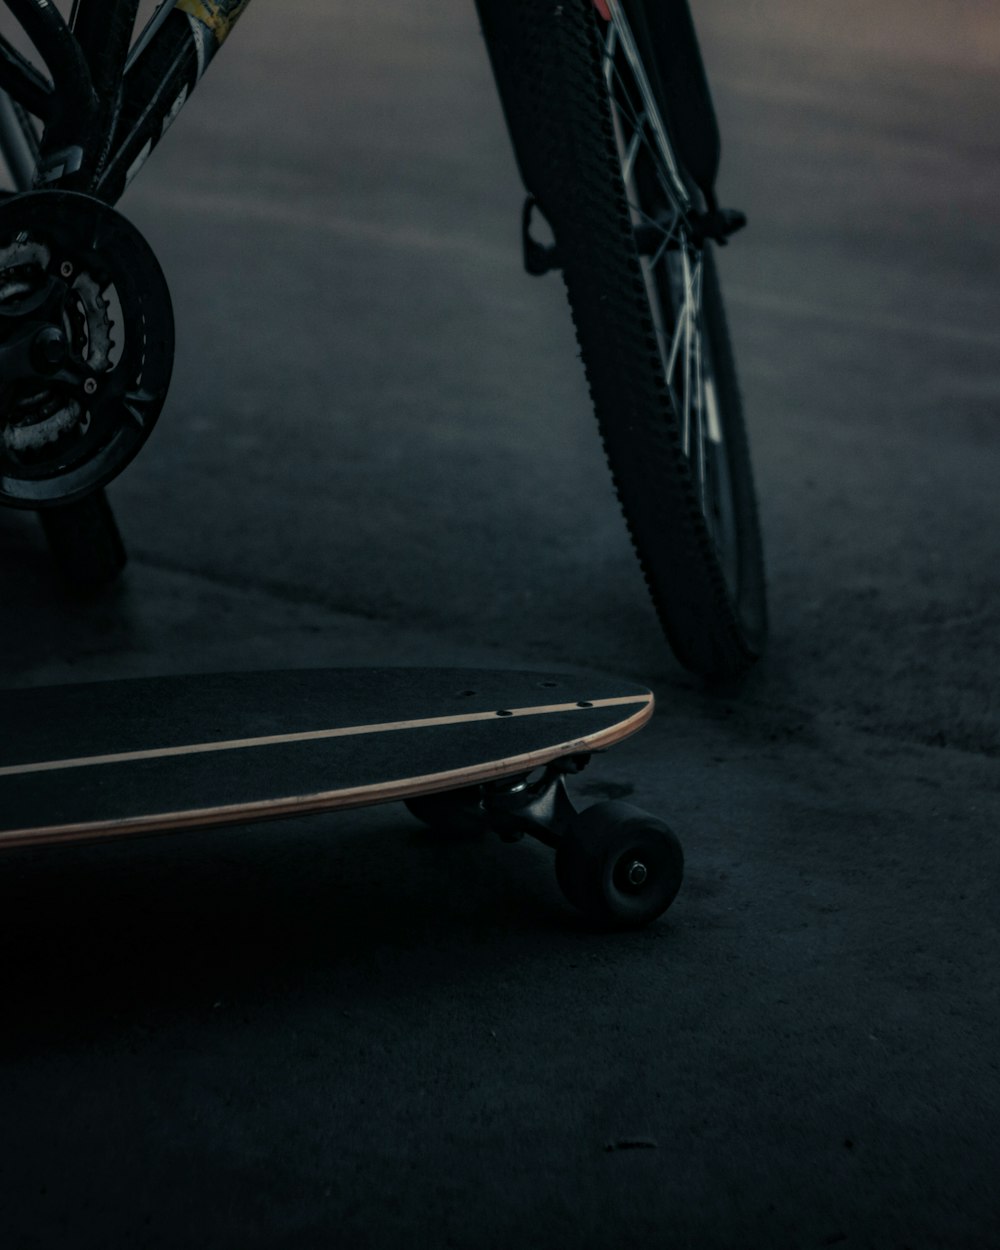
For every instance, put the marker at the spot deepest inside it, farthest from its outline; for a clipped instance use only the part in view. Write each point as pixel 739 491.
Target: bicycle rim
pixel 647 312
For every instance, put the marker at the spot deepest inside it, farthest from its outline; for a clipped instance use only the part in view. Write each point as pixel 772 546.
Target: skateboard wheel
pixel 620 866
pixel 457 812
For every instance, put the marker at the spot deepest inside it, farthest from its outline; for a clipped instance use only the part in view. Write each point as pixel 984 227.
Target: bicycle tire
pixel 708 588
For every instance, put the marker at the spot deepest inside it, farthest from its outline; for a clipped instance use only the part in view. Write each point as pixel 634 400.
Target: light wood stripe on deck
pixel 316 735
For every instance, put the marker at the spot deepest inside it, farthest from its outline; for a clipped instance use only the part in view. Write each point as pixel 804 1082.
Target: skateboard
pixel 463 748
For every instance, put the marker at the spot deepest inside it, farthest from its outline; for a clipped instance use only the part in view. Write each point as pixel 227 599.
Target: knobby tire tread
pixel 547 60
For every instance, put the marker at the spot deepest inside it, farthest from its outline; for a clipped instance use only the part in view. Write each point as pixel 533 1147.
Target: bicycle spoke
pixel 633 149
pixel 685 323
pixel 610 44
pixel 698 385
pixel 672 268
pixel 625 39
pixel 640 124
pixel 668 238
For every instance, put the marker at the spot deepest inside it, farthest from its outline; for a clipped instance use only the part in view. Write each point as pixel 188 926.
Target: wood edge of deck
pixel 329 801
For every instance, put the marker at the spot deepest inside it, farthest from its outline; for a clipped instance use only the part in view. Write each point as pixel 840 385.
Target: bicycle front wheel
pixel 593 141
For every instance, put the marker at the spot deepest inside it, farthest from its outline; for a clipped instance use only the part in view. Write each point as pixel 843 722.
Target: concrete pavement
pixel 378 446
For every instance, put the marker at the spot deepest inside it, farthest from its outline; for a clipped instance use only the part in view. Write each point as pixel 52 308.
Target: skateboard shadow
pixel 348 909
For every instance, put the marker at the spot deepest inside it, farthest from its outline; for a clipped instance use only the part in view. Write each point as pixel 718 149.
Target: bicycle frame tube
pixel 132 96
pixel 217 17
pixel 69 105
pixel 159 81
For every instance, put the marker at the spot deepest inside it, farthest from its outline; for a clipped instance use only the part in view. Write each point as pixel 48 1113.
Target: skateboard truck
pixel 540 807
pixel 614 862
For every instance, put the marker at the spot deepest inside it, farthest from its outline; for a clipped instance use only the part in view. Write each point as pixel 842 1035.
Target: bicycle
pixel 615 136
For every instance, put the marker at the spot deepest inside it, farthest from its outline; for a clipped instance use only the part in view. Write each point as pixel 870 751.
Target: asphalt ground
pixel 377 448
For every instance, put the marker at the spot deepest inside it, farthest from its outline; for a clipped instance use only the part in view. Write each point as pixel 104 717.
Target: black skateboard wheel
pixel 620 866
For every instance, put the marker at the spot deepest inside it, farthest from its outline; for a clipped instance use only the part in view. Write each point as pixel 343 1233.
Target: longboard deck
pixel 148 755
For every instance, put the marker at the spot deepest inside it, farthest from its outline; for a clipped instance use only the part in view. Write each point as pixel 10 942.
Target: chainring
pixel 86 346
